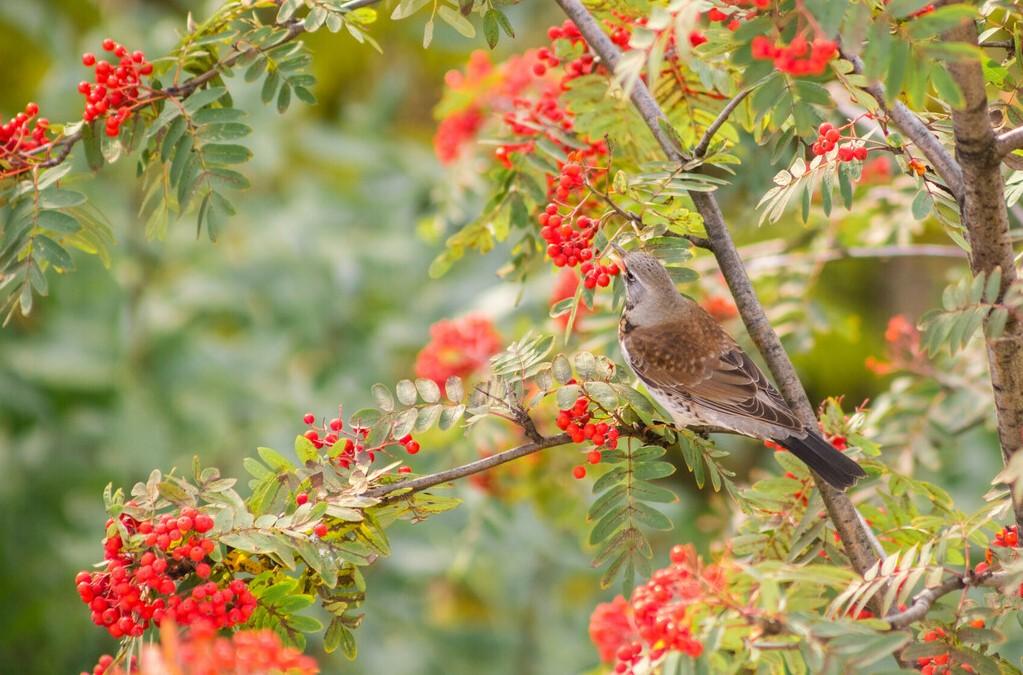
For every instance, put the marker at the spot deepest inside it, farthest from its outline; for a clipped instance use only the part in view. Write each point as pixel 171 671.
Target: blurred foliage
pixel 314 291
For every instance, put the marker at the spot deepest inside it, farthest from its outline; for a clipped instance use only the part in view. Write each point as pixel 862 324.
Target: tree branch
pixel 913 127
pixel 408 487
pixel 1009 141
pixel 784 260
pixel 861 546
pixel 986 219
pixel 925 599
pixel 701 148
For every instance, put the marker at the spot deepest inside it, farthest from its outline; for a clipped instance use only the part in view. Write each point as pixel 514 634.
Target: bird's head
pixel 649 291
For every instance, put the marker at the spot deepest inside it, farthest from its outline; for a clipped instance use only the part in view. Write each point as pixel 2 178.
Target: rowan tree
pixel 623 127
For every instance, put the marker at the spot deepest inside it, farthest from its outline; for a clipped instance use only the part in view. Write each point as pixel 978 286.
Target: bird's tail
pixel 829 463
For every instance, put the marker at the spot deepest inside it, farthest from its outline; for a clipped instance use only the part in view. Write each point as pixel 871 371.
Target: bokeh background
pixel 316 290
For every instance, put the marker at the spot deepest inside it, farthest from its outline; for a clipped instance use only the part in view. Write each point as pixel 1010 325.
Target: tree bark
pixel 986 219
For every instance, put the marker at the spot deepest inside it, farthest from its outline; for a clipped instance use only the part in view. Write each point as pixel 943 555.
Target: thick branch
pixel 913 127
pixel 861 545
pixel 987 223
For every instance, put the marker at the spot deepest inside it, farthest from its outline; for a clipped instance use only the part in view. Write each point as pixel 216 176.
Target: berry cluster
pixel 140 582
pixel 204 653
pixel 636 634
pixel 941 664
pixel 799 57
pixel 570 244
pixel 115 88
pixel 23 132
pixel 829 137
pixel 578 422
pixel 457 347
pixel 347 444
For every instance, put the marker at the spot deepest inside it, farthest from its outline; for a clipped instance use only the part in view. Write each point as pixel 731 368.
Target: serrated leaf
pixel 653 470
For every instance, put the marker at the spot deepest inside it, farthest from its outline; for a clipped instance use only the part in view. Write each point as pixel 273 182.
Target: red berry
pixel 412 447
pixel 309 418
pixel 579 472
pixel 593 457
pixel 88 59
pixel 320 530
pixel 301 498
pixel 404 469
pixel 108 45
pixel 336 424
pixel 832 135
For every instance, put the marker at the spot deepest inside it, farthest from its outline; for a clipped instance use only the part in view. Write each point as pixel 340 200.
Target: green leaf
pixel 203 98
pixel 506 26
pixel 52 252
pixel 59 222
pixel 609 524
pixel 226 153
pixel 275 460
pixel 947 88
pixel 490 29
pixel 922 204
pixel 653 470
pixel 305 450
pixel 651 517
pixel 845 185
pixel 59 198
pixel 284 98
pixel 456 21
pixel 270 86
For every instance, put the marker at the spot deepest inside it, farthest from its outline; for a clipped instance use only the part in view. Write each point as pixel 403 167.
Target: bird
pixel 699 374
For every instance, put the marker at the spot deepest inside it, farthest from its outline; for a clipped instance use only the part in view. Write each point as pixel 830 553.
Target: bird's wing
pixel 699 362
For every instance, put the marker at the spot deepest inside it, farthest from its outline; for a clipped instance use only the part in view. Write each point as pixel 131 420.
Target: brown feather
pixel 691 358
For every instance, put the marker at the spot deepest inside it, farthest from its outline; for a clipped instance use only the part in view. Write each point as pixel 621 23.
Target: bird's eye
pixel 629 276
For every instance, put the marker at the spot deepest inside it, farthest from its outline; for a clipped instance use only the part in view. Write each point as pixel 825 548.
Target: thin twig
pixel 913 127
pixel 408 487
pixel 816 257
pixel 701 148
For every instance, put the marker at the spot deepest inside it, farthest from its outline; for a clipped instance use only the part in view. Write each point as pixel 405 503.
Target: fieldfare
pixel 701 377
